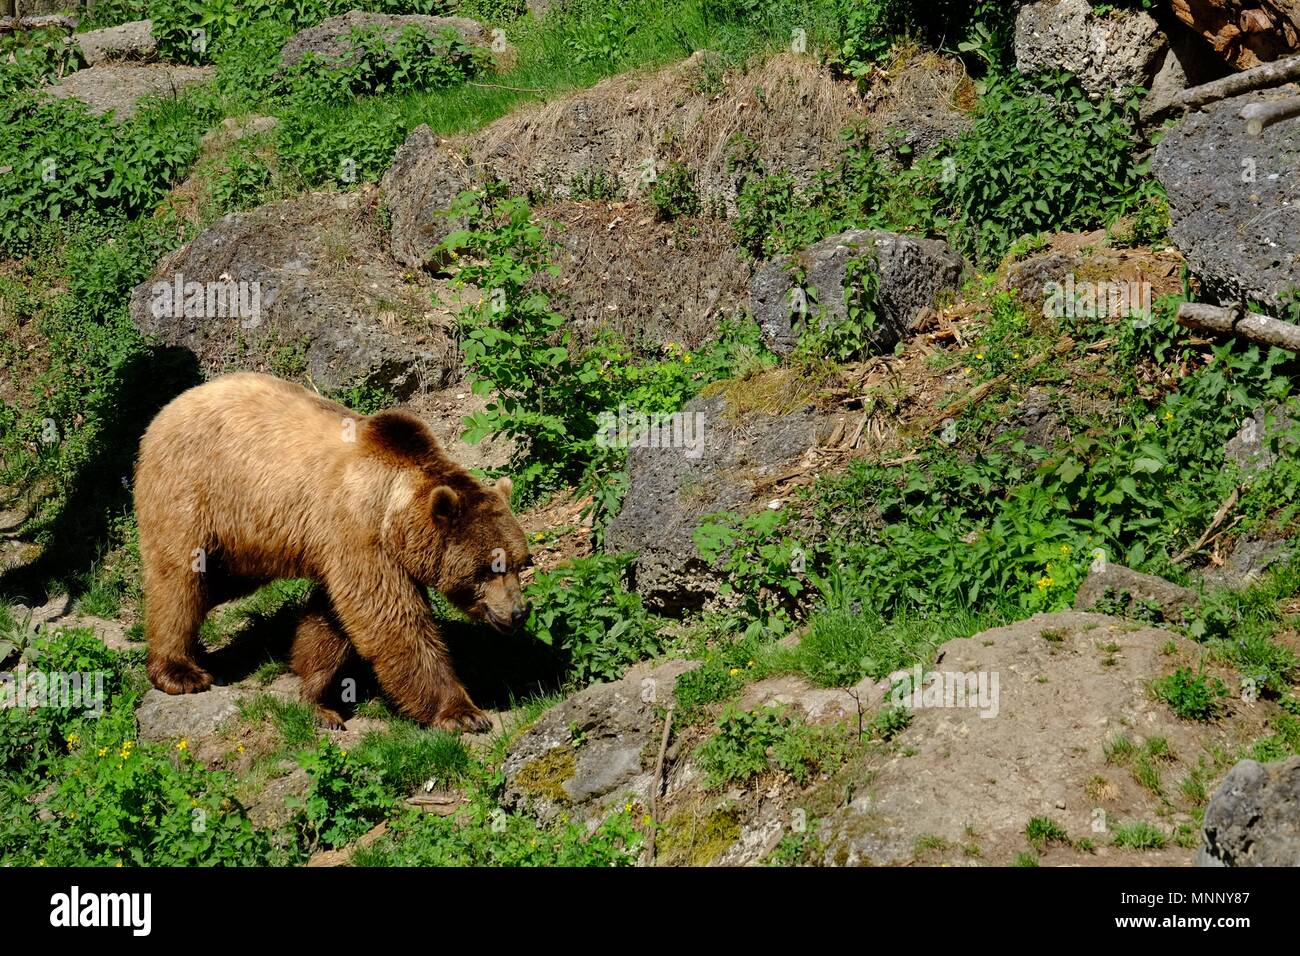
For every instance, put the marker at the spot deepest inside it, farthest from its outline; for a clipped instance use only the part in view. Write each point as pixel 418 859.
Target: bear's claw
pixel 179 676
pixel 470 720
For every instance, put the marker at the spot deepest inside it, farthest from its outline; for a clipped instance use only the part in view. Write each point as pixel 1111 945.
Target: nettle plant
pixel 376 64
pixel 544 393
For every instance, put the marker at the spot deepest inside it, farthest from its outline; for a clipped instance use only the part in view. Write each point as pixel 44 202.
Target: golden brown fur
pixel 248 478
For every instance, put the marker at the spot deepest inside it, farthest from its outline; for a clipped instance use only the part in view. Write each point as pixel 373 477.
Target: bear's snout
pixel 519 615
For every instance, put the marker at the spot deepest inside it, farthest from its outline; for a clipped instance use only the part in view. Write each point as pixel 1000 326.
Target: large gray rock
pixel 596 749
pixel 118 88
pixel 126 41
pixel 1134 592
pixel 1187 61
pixel 911 272
pixel 1107 52
pixel 1254 817
pixel 424 180
pixel 166 717
pixel 672 489
pixel 331 39
pixel 1232 198
pixel 1252 447
pixel 319 300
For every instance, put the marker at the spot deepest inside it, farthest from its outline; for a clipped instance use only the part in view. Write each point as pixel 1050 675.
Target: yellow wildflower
pixel 1045 582
pixel 183 744
pixel 735 671
pixel 686 359
pixel 1065 549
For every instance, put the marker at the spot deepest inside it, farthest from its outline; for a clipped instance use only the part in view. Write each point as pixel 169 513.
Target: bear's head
pixel 447 529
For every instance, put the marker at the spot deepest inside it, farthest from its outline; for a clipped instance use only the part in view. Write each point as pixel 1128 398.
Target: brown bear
pixel 248 478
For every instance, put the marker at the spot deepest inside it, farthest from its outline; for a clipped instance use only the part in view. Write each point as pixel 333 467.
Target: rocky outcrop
pixel 126 41
pixel 596 749
pixel 1107 52
pixel 911 273
pixel 303 289
pixel 1254 817
pixel 672 488
pixel 1188 61
pixel 331 39
pixel 1116 587
pixel 1068 685
pixel 118 88
pixel 660 283
pixel 1251 449
pixel 928 99
pixel 1232 197
pixel 426 177
pixel 1244 33
pixel 782 116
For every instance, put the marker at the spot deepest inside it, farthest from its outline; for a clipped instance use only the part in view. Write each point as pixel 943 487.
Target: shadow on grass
pixel 499 670
pixel 101 488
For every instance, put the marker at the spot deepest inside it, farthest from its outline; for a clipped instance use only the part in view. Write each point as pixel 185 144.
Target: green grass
pixel 408 756
pixel 1041 832
pixel 1140 836
pixel 294 721
pixel 842 646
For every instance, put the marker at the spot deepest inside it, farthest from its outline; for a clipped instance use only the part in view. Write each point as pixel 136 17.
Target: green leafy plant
pixel 583 610
pixel 347 797
pixel 1191 696
pixel 673 194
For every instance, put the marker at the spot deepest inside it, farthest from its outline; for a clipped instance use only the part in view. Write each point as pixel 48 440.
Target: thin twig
pixel 498 86
pixel 656 784
pixel 1208 535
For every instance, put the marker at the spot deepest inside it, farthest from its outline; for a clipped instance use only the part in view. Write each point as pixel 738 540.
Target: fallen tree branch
pixel 498 86
pixel 1261 77
pixel 985 389
pixel 1208 534
pixel 14 24
pixel 656 783
pixel 1260 116
pixel 1247 325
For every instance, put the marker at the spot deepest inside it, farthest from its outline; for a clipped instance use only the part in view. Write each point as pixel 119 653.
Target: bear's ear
pixel 401 435
pixel 506 487
pixel 444 503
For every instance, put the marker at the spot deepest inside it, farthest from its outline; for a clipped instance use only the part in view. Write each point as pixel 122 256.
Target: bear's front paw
pixel 329 719
pixel 464 717
pixel 176 676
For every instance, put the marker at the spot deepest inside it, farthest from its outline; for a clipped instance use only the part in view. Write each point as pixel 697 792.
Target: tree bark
pixel 14 24
pixel 1260 116
pixel 1261 77
pixel 1247 325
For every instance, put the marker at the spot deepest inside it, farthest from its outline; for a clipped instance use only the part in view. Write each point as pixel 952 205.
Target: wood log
pixel 14 24
pixel 1247 325
pixel 1260 116
pixel 1261 77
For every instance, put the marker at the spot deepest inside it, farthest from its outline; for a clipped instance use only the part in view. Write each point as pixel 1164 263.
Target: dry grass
pixel 787 111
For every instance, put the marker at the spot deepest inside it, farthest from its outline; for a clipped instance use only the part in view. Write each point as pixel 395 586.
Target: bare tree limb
pixel 656 783
pixel 1247 325
pixel 1260 116
pixel 14 24
pixel 1261 77
pixel 1206 536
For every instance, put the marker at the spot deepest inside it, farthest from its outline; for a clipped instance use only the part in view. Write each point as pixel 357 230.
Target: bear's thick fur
pixel 248 478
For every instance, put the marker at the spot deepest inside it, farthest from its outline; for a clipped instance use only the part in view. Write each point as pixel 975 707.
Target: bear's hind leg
pixel 320 649
pixel 174 610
